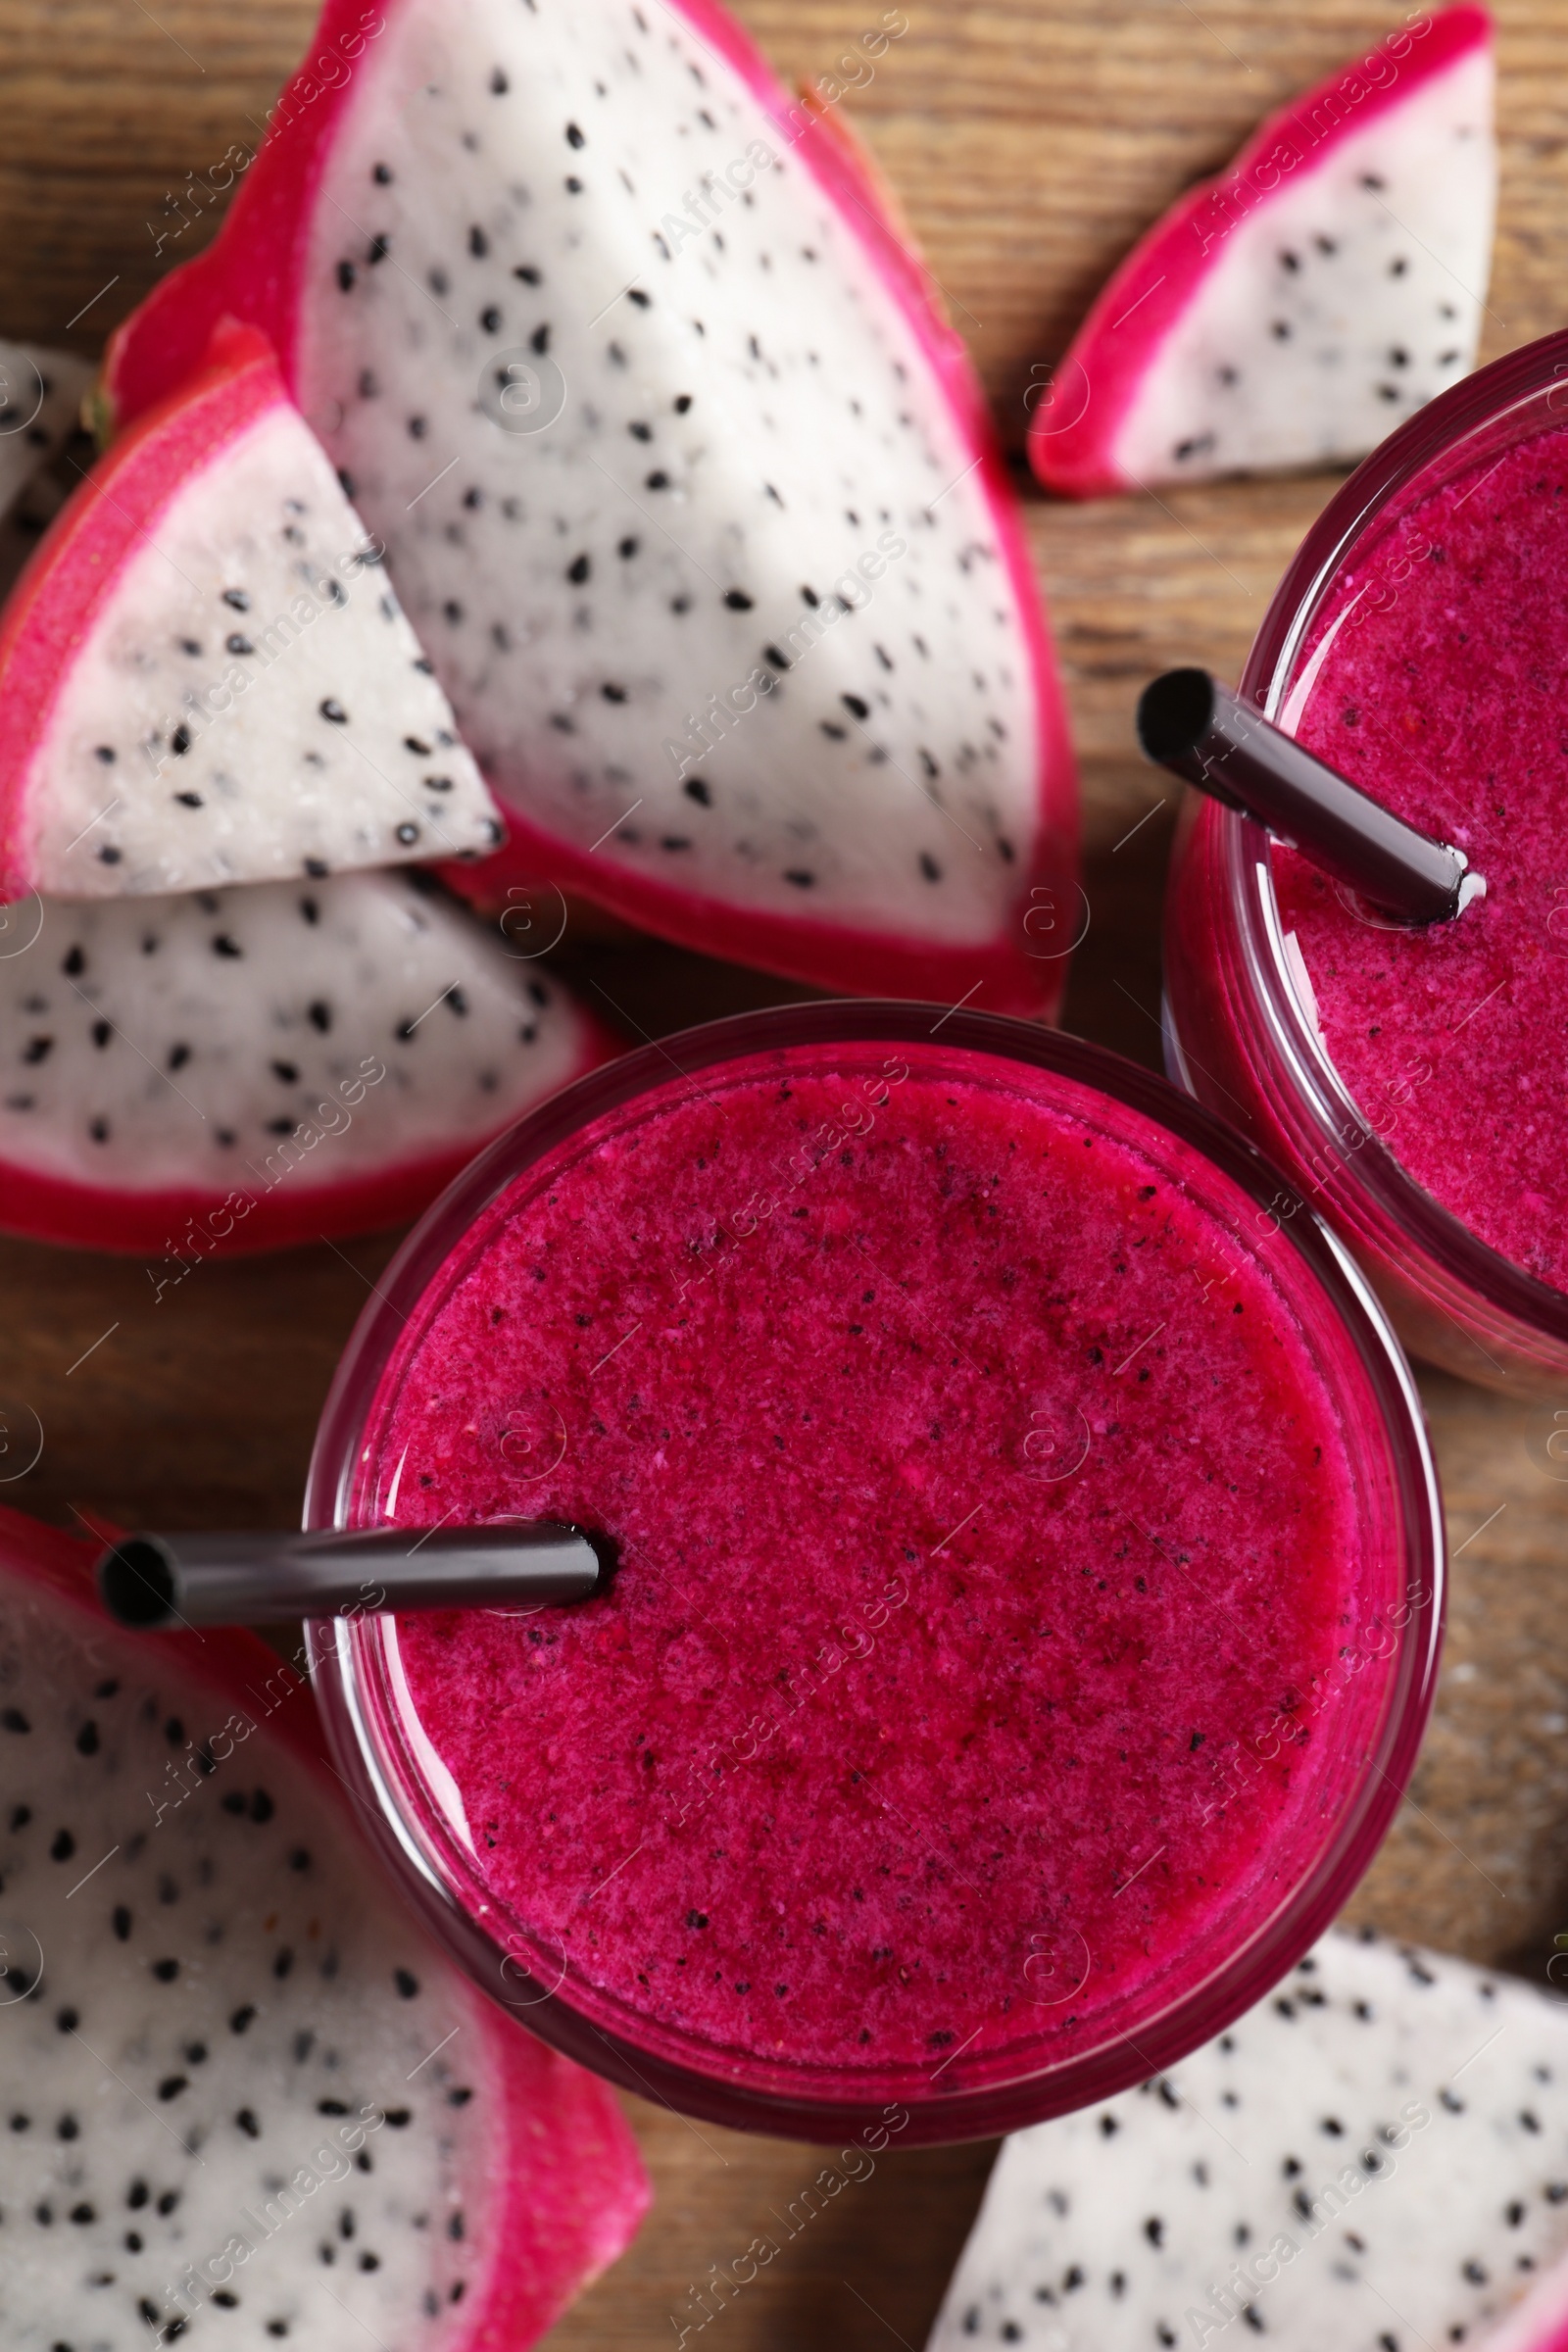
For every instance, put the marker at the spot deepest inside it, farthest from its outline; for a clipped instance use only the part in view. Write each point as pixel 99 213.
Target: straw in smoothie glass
pixel 1198 729
pixel 155 1582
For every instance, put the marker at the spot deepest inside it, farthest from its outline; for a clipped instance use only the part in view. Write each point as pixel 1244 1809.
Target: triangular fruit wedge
pixel 1375 2156
pixel 691 496
pixel 1293 311
pixel 246 2097
pixel 205 677
pixel 242 1069
pixel 41 393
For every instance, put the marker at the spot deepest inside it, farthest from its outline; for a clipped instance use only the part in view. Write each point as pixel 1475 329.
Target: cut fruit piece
pixel 1293 311
pixel 691 495
pixel 205 677
pixel 1376 2154
pixel 41 393
pixel 245 2094
pixel 242 1069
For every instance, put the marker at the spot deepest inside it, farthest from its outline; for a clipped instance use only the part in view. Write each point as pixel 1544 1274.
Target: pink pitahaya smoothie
pixel 1436 672
pixel 985 1519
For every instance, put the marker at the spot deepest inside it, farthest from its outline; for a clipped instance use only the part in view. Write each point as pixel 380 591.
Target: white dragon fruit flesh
pixel 244 2099
pixel 205 677
pixel 691 497
pixel 1375 2159
pixel 249 1067
pixel 1293 311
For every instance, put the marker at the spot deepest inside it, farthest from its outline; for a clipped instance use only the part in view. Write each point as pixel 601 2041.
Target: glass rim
pixel 345 1656
pixel 1488 397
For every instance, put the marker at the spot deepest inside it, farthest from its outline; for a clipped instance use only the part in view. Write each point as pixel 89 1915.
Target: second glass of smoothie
pixel 1411 1082
pixel 1027 1589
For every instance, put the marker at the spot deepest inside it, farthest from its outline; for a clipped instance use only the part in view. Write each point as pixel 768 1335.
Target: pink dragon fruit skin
pixel 531 2158
pixel 1006 942
pixel 1238 336
pixel 1539 2324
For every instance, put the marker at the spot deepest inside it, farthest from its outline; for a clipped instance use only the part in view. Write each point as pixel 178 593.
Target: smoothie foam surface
pixel 1433 680
pixel 986 1525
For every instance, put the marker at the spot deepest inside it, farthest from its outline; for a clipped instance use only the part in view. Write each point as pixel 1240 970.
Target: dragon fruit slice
pixel 244 2096
pixel 1375 2158
pixel 41 393
pixel 246 1068
pixel 1296 309
pixel 689 493
pixel 205 677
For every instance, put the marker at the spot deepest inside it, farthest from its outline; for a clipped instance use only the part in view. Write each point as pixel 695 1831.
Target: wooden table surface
pixel 1031 142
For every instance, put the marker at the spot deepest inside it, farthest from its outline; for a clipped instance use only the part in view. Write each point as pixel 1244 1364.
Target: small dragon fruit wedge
pixel 1293 311
pixel 690 494
pixel 41 393
pixel 205 677
pixel 242 1069
pixel 1374 2159
pixel 245 2098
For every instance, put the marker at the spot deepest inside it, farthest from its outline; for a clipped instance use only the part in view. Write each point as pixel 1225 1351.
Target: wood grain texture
pixel 1031 140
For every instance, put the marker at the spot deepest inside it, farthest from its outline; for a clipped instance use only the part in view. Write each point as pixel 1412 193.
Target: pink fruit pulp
pixel 254 270
pixel 1440 696
pixel 962 1532
pixel 567 2190
pixel 1095 381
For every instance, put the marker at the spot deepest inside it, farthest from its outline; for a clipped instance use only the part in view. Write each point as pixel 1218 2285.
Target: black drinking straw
pixel 155 1582
pixel 1193 725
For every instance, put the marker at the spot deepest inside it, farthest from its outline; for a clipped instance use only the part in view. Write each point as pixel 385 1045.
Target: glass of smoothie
pixel 1410 1081
pixel 1027 1588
